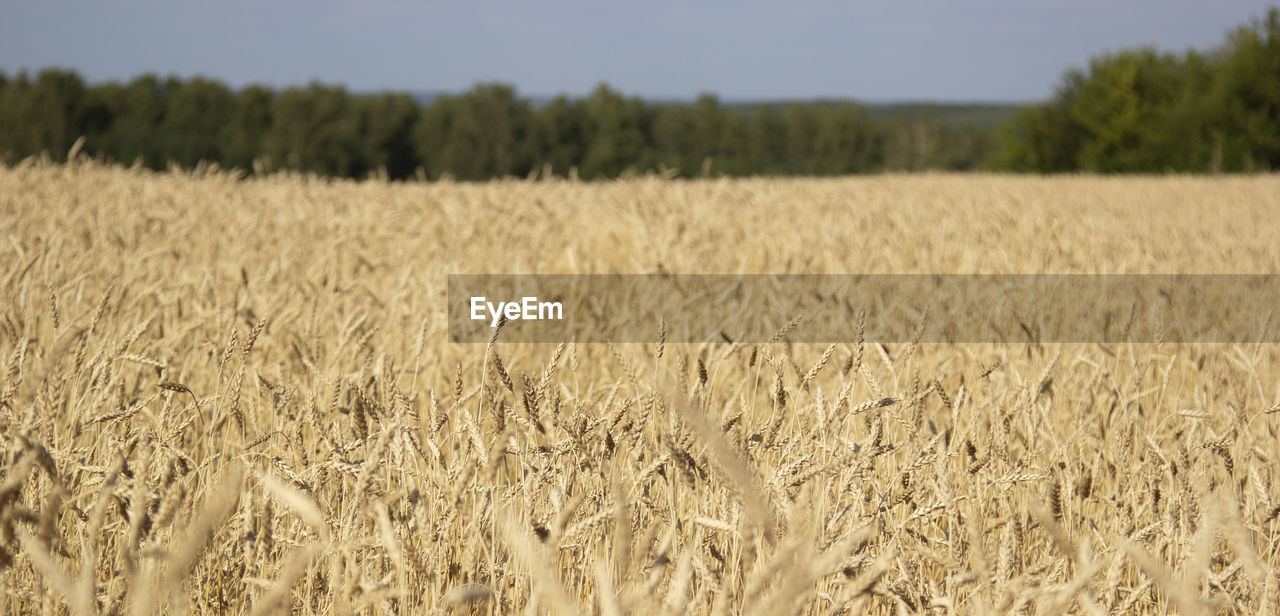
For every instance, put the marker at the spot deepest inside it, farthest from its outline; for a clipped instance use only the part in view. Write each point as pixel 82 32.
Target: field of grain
pixel 226 395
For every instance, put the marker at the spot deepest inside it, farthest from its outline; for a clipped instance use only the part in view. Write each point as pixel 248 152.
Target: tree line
pixel 485 132
pixel 1132 111
pixel 1139 110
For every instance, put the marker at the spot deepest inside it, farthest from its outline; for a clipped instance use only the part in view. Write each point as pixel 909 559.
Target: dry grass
pixel 223 396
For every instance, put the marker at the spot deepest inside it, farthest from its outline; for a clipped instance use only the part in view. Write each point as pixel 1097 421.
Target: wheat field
pixel 236 395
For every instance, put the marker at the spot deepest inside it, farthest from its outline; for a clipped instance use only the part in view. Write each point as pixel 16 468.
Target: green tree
pixel 387 123
pixel 766 142
pixel 1122 107
pixel 843 143
pixel 197 112
pixel 617 129
pixel 242 138
pixel 316 129
pixel 41 115
pixel 708 133
pixel 673 140
pixel 477 135
pixel 1245 97
pixel 138 110
pixel 1045 138
pixel 558 135
pixel 1143 111
pixel 802 130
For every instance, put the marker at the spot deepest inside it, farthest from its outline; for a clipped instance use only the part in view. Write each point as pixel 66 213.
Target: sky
pixel 873 50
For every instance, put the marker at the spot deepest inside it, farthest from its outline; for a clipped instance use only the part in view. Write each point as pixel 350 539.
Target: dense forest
pixel 1131 111
pixel 1140 110
pixel 486 132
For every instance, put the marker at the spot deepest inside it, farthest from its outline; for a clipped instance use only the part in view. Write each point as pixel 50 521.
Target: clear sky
pixel 875 50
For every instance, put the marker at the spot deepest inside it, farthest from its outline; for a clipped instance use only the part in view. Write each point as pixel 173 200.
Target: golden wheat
pixel 229 395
